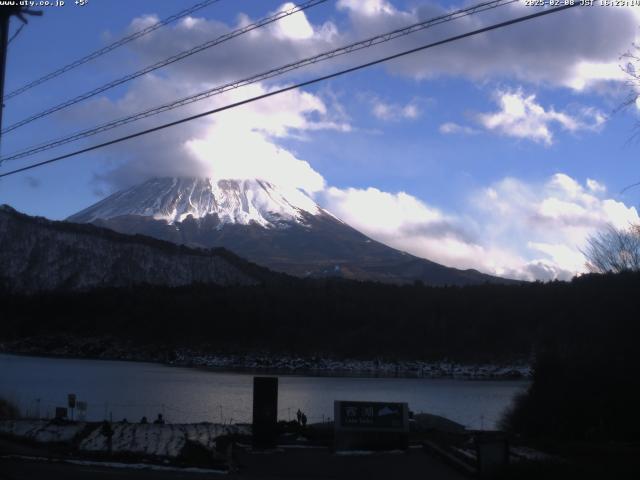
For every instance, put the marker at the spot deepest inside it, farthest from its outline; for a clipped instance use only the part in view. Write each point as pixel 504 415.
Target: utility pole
pixel 6 12
pixel 5 16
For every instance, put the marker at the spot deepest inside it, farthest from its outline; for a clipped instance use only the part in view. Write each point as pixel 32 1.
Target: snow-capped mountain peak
pixel 280 228
pixel 233 201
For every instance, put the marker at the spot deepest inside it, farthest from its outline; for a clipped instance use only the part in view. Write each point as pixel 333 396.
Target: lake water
pixel 131 390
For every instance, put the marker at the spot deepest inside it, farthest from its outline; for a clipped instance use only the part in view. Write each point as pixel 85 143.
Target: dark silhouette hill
pixel 37 254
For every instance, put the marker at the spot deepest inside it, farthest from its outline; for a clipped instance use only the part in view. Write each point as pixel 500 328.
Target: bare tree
pixel 632 69
pixel 614 250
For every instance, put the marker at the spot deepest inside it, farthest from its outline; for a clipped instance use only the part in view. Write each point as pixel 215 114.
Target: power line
pixel 111 47
pixel 260 77
pixel 16 33
pixel 12 9
pixel 372 41
pixel 293 87
pixel 175 58
pixel 629 187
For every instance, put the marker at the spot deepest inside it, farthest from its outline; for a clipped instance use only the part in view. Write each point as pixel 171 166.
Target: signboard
pixel 371 425
pixel 71 400
pixel 372 415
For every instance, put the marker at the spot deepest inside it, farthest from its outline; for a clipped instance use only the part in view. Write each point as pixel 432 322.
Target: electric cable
pixel 109 48
pixel 372 41
pixel 293 87
pixel 168 61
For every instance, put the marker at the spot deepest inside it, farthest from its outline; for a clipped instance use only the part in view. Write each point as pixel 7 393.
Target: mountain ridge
pixel 37 254
pixel 294 236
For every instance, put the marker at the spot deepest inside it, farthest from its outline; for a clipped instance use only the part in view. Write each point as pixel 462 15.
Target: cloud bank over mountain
pixel 511 228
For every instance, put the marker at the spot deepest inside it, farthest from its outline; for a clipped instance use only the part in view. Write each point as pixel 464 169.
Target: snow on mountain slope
pixel 234 201
pixel 279 228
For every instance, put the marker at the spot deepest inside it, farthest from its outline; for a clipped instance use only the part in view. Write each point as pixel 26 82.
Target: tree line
pixel 344 318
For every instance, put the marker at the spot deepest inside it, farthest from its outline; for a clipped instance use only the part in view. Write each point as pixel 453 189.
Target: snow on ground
pixel 42 431
pixel 166 440
pixel 158 440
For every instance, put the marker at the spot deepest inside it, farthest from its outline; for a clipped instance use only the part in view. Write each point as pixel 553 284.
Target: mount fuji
pixel 280 228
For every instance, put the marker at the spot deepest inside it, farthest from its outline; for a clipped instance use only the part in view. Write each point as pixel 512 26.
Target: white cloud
pixel 393 111
pixel 449 128
pixel 295 26
pixel 409 224
pixel 410 111
pixel 404 222
pixel 585 73
pixel 512 228
pixel 557 51
pixel 595 186
pixel 390 212
pixel 367 7
pixel 291 38
pixel 567 258
pixel 243 142
pixel 297 37
pixel 142 22
pixel 526 53
pixel 231 153
pixel 553 218
pixel 521 116
pixel 538 270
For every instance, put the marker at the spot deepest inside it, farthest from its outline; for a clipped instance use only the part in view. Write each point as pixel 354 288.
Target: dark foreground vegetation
pixel 8 410
pixel 583 334
pixel 489 322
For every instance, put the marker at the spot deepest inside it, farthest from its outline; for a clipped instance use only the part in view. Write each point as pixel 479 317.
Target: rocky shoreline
pixel 354 367
pixel 110 349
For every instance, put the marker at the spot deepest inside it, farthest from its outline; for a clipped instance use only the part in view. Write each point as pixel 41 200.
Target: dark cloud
pixel 546 50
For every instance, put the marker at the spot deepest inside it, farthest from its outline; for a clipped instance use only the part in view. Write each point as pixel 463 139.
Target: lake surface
pixel 131 390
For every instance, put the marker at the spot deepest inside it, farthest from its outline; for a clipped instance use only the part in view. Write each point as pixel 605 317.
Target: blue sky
pixel 502 152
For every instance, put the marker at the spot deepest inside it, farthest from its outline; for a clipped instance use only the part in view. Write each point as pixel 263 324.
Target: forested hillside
pixel 339 317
